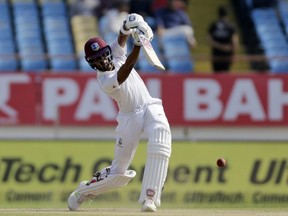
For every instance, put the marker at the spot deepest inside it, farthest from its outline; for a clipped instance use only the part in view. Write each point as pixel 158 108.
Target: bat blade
pixel 150 53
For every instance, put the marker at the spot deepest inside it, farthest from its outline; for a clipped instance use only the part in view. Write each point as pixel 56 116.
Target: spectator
pixel 83 7
pixel 157 4
pixel 142 7
pixel 173 20
pixel 104 6
pixel 145 9
pixel 113 18
pixel 223 39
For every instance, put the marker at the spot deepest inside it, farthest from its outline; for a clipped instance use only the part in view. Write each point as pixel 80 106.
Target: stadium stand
pixel 58 37
pixel 282 8
pixel 272 38
pixel 83 27
pixel 40 36
pixel 8 60
pixel 28 35
pixel 43 43
pixel 267 22
pixel 177 54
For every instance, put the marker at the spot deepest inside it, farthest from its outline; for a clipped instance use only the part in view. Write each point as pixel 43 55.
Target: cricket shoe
pixel 148 206
pixel 75 199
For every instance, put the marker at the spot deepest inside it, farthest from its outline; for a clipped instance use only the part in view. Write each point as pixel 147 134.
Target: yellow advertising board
pixel 43 173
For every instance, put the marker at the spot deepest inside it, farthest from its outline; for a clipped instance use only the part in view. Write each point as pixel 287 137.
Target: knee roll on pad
pixel 160 142
pixel 158 154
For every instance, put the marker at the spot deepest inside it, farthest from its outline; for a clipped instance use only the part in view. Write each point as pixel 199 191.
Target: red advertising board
pixel 189 100
pixel 18 99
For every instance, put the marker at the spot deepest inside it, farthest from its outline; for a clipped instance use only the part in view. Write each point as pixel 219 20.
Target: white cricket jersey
pixel 132 94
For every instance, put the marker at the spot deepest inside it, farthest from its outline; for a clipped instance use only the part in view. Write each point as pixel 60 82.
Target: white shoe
pixel 148 206
pixel 75 199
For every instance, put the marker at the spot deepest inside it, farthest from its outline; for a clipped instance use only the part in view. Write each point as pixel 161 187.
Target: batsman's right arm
pixel 129 64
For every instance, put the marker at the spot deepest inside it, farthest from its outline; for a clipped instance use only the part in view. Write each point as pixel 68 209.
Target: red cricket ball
pixel 221 162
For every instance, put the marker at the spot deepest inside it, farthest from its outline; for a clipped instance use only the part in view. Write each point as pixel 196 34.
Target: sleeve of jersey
pixel 117 50
pixel 108 83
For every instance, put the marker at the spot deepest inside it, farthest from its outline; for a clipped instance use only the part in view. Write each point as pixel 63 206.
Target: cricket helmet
pixel 98 54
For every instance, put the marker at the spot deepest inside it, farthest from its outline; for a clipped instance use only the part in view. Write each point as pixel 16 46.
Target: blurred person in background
pixel 114 17
pixel 84 7
pixel 173 20
pixel 223 40
pixel 157 4
pixel 145 9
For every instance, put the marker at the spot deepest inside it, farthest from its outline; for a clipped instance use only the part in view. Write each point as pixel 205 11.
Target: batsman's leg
pixel 128 134
pixel 158 154
pixel 101 182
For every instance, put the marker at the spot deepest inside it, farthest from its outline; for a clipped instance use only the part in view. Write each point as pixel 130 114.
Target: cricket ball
pixel 221 162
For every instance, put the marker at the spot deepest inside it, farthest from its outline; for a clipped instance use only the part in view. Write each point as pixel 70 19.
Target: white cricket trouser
pixel 129 130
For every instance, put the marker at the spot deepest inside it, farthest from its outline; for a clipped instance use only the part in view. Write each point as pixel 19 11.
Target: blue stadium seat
pixel 180 66
pixel 272 38
pixel 28 36
pixel 58 21
pixel 7 47
pixel 83 65
pixel 31 51
pixel 64 63
pixel 30 42
pixel 60 48
pixel 6 27
pixel 278 67
pixel 263 28
pixel 8 63
pixel 264 15
pixel 57 35
pixel 275 43
pixel 33 57
pixel 283 13
pixel 53 8
pixel 6 34
pixel 8 60
pixel 177 54
pixel 34 63
pixel 277 59
pixel 52 25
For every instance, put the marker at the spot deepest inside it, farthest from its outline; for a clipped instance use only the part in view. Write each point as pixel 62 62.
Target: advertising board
pixel 189 100
pixel 43 173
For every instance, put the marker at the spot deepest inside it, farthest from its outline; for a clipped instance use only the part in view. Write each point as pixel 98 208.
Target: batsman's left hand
pixel 133 20
pixel 145 29
pixel 135 35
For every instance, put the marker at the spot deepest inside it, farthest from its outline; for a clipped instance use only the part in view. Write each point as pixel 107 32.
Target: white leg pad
pixel 158 154
pixel 112 181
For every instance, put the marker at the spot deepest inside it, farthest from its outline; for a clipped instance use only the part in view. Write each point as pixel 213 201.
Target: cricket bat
pixel 150 53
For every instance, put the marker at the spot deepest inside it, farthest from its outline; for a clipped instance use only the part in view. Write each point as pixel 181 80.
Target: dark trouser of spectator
pixel 222 64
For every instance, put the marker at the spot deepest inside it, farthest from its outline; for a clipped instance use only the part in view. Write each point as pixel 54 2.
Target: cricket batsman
pixel 138 113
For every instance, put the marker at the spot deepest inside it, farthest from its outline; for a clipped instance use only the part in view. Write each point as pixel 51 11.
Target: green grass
pixel 136 212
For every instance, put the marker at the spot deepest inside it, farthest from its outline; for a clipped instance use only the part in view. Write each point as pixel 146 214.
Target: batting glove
pixel 133 20
pixel 135 35
pixel 124 29
pixel 145 29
